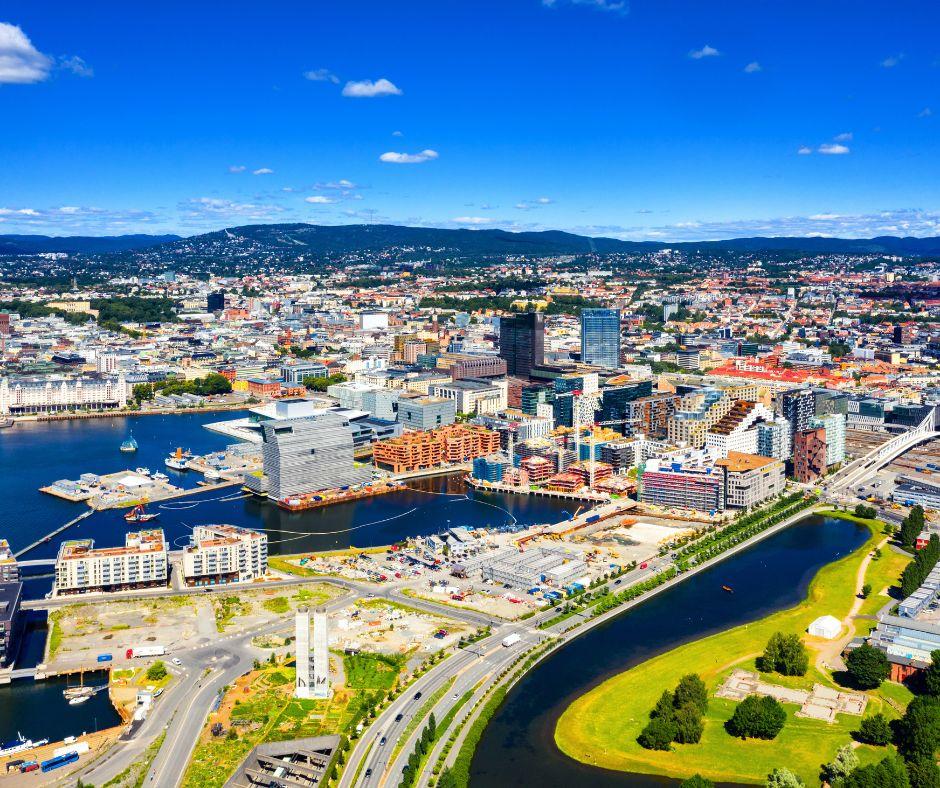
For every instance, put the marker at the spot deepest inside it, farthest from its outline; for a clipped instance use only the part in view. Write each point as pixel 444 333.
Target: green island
pixel 601 727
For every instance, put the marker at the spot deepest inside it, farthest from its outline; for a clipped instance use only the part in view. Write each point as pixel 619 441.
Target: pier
pixel 48 537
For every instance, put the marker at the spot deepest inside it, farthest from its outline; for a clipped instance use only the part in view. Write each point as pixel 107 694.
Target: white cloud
pixel 391 157
pixel 618 6
pixel 926 112
pixel 892 60
pixel 319 199
pixel 77 220
pixel 20 62
pixel 833 149
pixel 77 66
pixel 472 220
pixel 752 68
pixel 823 217
pixel 342 185
pixel 845 136
pixel 237 168
pixel 321 75
pixel 528 205
pixel 397 134
pixel 366 88
pixel 705 51
pixel 216 212
pixel 263 171
pixel 545 201
pixel 804 150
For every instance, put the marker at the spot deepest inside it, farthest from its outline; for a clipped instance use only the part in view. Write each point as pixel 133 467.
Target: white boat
pixel 212 474
pixel 143 471
pixel 80 699
pixel 20 745
pixel 160 477
pixel 176 463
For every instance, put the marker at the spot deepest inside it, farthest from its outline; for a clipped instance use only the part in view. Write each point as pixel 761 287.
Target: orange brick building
pixel 454 443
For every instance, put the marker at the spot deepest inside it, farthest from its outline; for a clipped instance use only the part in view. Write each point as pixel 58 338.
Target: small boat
pixel 177 460
pixel 143 471
pixel 212 474
pixel 6 423
pixel 160 477
pixel 140 515
pixel 130 445
pixel 78 699
pixel 729 589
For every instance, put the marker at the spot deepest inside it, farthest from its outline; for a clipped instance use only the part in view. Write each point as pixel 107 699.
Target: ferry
pixel 177 460
pixel 130 445
pixel 140 515
pixel 20 745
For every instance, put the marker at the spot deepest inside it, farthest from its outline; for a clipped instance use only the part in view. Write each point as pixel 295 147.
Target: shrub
pixel 758 718
pixel 696 781
pixel 874 730
pixel 783 778
pixel 157 671
pixel 867 666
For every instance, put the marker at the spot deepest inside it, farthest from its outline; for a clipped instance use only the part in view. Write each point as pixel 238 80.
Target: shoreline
pixel 678 756
pixel 105 414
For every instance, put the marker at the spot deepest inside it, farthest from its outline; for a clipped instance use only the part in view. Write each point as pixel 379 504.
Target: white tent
pixel 827 627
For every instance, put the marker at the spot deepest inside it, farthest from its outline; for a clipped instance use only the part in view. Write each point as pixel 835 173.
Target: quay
pixel 120 414
pixel 583 497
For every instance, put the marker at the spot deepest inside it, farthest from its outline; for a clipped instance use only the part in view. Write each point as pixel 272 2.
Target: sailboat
pixel 130 445
pixel 79 694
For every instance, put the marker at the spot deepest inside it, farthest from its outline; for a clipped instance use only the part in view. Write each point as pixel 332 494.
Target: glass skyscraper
pixel 600 337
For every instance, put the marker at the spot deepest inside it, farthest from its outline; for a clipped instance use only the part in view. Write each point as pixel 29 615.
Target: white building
pixel 223 554
pixel 51 394
pixel 474 396
pixel 373 321
pixel 141 563
pixel 313 669
pixel 737 429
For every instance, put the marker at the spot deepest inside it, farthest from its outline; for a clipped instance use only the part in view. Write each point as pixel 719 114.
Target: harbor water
pixel 518 746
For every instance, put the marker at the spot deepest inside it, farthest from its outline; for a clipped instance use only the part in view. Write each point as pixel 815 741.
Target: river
pixel 518 746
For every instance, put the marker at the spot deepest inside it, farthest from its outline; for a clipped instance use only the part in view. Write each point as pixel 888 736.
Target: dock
pixel 581 497
pixel 48 537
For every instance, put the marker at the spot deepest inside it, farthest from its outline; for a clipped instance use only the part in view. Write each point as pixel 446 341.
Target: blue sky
pixel 653 119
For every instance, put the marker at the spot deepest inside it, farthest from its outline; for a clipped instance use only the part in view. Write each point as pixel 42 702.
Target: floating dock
pixel 329 497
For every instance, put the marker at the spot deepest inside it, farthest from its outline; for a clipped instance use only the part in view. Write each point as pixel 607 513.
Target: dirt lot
pixel 390 628
pixel 236 610
pixel 505 603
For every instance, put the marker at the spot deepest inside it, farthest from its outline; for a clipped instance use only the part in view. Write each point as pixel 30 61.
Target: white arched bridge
pixel 858 470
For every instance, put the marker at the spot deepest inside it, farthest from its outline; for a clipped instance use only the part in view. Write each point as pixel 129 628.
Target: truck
pixel 511 640
pixel 145 651
pixel 592 519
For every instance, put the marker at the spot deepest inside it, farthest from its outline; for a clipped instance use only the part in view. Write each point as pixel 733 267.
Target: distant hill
pixel 343 239
pixel 79 244
pixel 287 241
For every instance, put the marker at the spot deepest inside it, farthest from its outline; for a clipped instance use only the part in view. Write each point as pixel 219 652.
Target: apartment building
pixel 142 563
pixel 809 455
pixel 834 426
pixel 457 443
pixel 672 485
pixel 11 620
pixel 221 554
pixel 750 479
pixel 474 396
pixel 9 569
pixel 736 431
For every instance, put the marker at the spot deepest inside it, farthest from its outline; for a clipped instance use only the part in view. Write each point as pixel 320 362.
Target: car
pixel 399 717
pixel 382 741
pixel 368 772
pixel 644 565
pixel 177 661
pixel 417 696
pixel 617 582
pixel 455 696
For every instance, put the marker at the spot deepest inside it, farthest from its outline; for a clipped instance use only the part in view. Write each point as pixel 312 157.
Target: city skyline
pixel 665 121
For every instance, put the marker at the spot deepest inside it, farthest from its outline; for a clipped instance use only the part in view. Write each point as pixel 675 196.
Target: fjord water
pixel 518 746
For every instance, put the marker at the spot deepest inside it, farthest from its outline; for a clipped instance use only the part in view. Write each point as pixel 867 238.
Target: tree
pixel 845 762
pixel 917 733
pixel 319 383
pixel 691 690
pixel 157 671
pixel 447 779
pixel 689 725
pixel 923 773
pixel 658 734
pixel 785 654
pixel 874 730
pixel 758 718
pixel 783 778
pixel 665 707
pixel 696 781
pixel 932 675
pixel 888 773
pixel 867 666
pixel 865 512
pixel 866 590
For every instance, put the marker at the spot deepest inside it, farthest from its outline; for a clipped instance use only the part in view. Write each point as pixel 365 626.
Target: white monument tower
pixel 302 643
pixel 316 685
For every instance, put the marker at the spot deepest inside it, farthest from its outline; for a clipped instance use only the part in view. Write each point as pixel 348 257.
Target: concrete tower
pixel 321 655
pixel 302 688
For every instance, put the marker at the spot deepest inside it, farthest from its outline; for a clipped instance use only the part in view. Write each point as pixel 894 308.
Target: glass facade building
pixel 600 337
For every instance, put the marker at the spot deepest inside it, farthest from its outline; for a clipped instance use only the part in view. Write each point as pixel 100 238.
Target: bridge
pixel 36 562
pixel 858 470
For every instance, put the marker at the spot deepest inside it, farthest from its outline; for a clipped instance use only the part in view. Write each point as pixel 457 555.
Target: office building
pixel 615 407
pixel 670 485
pixel 478 367
pixel 650 416
pixel 215 302
pixel 522 342
pixel 306 455
pixel 221 554
pixel 142 563
pixel 426 413
pixel 600 337
pixel 474 396
pixel 11 620
pixel 688 358
pixel 750 479
pixel 295 372
pixel 797 406
pixel 381 403
pixel 834 426
pixel 809 455
pixel 913 492
pixel 774 439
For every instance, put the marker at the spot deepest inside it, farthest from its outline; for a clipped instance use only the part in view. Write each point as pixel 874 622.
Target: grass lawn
pixel 372 671
pixel 601 727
